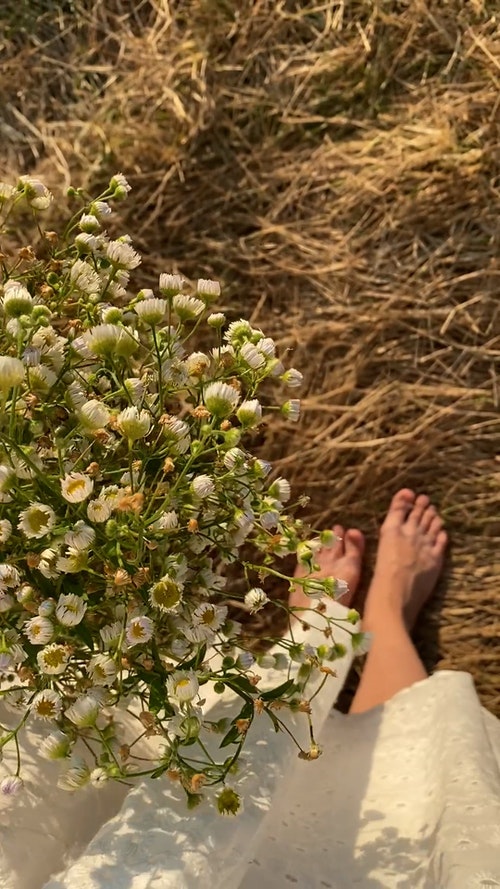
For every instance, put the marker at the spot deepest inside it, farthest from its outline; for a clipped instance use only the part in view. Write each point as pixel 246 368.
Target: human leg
pixel 409 560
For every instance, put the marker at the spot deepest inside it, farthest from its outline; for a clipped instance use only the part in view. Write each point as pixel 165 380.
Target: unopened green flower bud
pixel 112 315
pixel 196 447
pixel 111 528
pixel 232 437
pixel 40 314
pixel 327 538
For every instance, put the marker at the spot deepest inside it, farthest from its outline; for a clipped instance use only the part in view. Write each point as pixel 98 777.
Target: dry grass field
pixel 337 164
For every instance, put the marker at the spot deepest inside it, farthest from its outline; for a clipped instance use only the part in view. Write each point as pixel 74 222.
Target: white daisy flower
pixel 99 777
pixel 102 339
pixel 167 522
pixel 209 615
pixel 135 389
pixel 82 275
pixel 46 705
pixel 166 594
pixel 122 255
pixel 81 536
pixel 39 630
pixel 88 222
pixel 216 320
pixel 6 602
pixel 182 686
pixel 292 377
pixel 238 331
pixel 361 643
pixel 76 776
pixel 83 712
pixel 202 486
pixel 177 431
pixel 220 399
pixel 99 510
pixel 17 300
pixel 77 395
pixel 36 193
pixel 267 346
pixel 151 311
pixel 11 786
pixel 133 423
pixel 6 478
pixel 234 457
pixel 31 356
pixel 252 356
pixel 270 519
pixel 102 669
pixel 76 487
pixel 100 209
pixel 110 634
pixel 6 192
pixel 255 599
pixel 5 530
pixel 139 630
pixel 118 181
pixel 9 576
pixel 53 659
pixel 291 409
pixel 208 288
pixel 94 414
pixel 74 561
pixel 197 363
pixel 41 378
pixel 87 243
pixel 170 284
pixel 12 372
pixel 70 609
pixel 26 468
pixel 280 489
pixel 249 413
pixel 187 308
pixel 36 521
pixel 54 746
pixel 47 564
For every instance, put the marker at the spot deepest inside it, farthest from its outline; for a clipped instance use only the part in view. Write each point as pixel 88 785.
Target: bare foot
pixel 342 561
pixel 409 559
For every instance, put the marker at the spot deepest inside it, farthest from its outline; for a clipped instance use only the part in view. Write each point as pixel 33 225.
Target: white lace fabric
pixel 406 795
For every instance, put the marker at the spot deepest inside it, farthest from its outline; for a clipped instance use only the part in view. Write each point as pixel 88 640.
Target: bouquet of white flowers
pixel 125 490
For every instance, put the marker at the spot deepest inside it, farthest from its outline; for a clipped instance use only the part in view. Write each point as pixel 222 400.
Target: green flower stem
pixel 159 360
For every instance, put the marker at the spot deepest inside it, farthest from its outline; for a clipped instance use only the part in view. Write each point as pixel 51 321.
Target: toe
pixel 435 527
pixel 354 543
pixel 440 544
pixel 337 550
pixel 417 513
pixel 401 505
pixel 427 519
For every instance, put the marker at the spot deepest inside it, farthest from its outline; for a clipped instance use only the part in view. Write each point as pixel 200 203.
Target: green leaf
pixel 241 685
pixel 157 697
pixel 233 736
pixel 279 692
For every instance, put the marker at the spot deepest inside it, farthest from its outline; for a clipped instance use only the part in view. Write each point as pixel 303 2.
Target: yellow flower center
pixel 75 485
pixel 46 708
